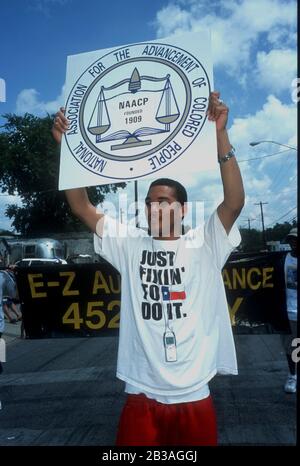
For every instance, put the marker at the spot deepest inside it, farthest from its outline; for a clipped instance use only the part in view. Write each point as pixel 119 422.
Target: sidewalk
pixel 67 395
pixel 252 408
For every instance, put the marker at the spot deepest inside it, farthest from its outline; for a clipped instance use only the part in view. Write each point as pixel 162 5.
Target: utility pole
pixel 262 221
pixel 249 224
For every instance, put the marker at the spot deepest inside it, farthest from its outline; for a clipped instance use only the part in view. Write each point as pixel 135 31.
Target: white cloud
pixel 172 19
pixel 28 101
pixel 236 27
pixel 276 69
pixel 275 121
pixel 268 180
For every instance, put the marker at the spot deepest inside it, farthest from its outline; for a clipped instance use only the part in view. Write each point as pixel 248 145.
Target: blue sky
pixel 254 54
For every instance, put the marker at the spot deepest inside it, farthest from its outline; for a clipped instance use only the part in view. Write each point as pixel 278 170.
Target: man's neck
pixel 166 238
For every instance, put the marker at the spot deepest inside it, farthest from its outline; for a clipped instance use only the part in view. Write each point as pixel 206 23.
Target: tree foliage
pixel 29 167
pixel 252 239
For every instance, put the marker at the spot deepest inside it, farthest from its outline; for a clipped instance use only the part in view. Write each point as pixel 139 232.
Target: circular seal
pixel 136 109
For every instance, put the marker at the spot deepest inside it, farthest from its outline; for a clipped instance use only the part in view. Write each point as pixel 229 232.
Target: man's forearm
pixel 78 200
pixel 83 209
pixel 230 173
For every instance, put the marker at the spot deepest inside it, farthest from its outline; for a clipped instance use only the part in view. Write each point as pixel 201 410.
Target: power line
pixel 282 173
pixel 290 220
pixel 249 220
pixel 279 175
pixel 255 143
pixel 265 156
pixel 282 216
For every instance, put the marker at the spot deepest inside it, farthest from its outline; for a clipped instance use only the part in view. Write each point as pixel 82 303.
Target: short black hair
pixel 181 194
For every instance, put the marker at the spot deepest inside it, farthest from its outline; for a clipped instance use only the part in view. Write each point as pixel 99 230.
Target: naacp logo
pixel 136 109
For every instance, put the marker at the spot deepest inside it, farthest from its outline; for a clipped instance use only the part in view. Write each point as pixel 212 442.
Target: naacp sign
pixel 137 110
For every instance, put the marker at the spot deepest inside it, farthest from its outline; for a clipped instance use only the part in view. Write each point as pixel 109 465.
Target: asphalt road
pixel 64 392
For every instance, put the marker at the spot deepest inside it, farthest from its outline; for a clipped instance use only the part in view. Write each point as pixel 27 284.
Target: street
pixel 64 392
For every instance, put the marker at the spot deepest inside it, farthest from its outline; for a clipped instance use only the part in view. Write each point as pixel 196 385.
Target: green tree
pixel 279 231
pixel 29 167
pixel 251 240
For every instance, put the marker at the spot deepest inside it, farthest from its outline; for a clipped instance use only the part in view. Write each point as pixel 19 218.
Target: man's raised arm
pixel 234 195
pixel 77 198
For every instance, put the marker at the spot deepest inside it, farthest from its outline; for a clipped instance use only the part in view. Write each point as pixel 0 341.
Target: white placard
pixel 138 111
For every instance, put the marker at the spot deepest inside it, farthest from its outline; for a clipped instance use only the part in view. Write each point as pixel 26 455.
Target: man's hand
pixel 60 125
pixel 217 111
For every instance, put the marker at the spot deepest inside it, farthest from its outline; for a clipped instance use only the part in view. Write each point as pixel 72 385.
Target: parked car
pixel 79 259
pixel 36 261
pixel 14 249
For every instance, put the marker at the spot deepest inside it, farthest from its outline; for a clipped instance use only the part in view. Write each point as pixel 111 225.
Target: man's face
pixel 163 211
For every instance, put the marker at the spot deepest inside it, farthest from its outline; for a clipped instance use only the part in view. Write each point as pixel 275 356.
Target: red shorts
pixel 147 422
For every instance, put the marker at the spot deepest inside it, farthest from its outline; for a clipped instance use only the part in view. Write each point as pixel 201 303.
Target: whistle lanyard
pixel 168 325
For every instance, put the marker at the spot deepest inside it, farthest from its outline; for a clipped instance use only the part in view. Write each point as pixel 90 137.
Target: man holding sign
pixel 175 331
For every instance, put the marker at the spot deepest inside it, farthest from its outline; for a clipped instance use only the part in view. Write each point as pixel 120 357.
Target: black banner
pixel 70 300
pixel 84 299
pixel 255 291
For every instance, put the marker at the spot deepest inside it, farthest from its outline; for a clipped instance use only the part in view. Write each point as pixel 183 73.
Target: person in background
pixel 290 274
pixel 1 311
pixel 10 299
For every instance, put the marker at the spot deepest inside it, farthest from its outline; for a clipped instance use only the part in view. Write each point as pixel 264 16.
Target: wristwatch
pixel 228 156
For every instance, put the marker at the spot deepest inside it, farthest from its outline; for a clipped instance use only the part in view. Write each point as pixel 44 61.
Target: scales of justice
pixel 167 112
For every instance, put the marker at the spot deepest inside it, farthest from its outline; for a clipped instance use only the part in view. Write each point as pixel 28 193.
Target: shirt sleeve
pixel 114 243
pixel 221 244
pixel 10 286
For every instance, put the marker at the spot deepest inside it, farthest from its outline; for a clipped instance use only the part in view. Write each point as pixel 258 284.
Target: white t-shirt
pixel 201 393
pixel 290 272
pixel 186 291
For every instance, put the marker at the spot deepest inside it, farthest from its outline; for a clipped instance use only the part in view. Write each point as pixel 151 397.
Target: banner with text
pixel 84 299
